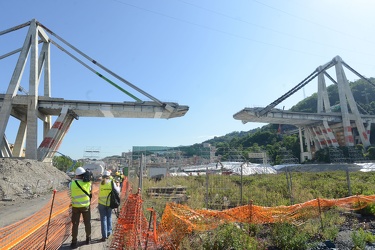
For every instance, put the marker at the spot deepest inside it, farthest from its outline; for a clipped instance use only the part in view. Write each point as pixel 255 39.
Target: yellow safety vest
pixel 104 191
pixel 79 198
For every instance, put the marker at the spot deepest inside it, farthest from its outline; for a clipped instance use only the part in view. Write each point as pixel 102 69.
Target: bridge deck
pixel 277 116
pixel 53 106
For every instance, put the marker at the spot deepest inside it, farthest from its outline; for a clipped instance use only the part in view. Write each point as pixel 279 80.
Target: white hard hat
pixel 80 170
pixel 106 174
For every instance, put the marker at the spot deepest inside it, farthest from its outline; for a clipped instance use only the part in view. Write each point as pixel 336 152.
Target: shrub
pixel 288 237
pixel 331 222
pixel 358 238
pixel 230 237
pixel 368 210
pixel 253 229
pixel 361 237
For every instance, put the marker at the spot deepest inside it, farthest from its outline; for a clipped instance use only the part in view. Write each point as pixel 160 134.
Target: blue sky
pixel 217 57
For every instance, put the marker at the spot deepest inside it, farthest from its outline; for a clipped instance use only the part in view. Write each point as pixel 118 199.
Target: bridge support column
pixel 314 138
pixel 332 141
pixel 346 98
pixel 324 105
pixel 32 118
pixel 368 129
pixel 28 130
pixel 4 118
pixel 55 135
pixel 318 137
pixel 5 151
pixel 13 87
pixel 304 155
pixel 20 140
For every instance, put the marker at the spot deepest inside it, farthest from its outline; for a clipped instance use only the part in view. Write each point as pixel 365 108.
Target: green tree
pixel 291 142
pixel 63 163
pixel 371 153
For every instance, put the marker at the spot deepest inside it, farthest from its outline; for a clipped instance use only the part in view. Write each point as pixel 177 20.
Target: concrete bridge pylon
pixel 28 129
pixel 327 127
pixel 28 105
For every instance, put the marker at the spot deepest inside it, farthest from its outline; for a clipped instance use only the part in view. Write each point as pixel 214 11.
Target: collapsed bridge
pixel 326 128
pixel 28 105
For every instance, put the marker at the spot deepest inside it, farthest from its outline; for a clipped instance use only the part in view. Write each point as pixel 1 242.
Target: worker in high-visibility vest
pixel 80 192
pixel 105 211
pixel 117 179
pixel 122 180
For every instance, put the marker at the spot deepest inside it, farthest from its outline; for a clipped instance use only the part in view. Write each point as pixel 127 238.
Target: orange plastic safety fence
pixel 30 233
pixel 132 227
pixel 118 234
pixel 178 220
pixel 133 231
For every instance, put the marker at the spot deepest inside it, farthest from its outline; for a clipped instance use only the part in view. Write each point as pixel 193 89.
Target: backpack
pixel 114 198
pixel 87 176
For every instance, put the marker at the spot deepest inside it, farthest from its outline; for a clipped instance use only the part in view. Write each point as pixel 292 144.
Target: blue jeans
pixel 105 220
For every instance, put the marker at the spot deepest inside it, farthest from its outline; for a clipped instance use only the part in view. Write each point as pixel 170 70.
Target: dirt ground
pixel 16 211
pixel 27 185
